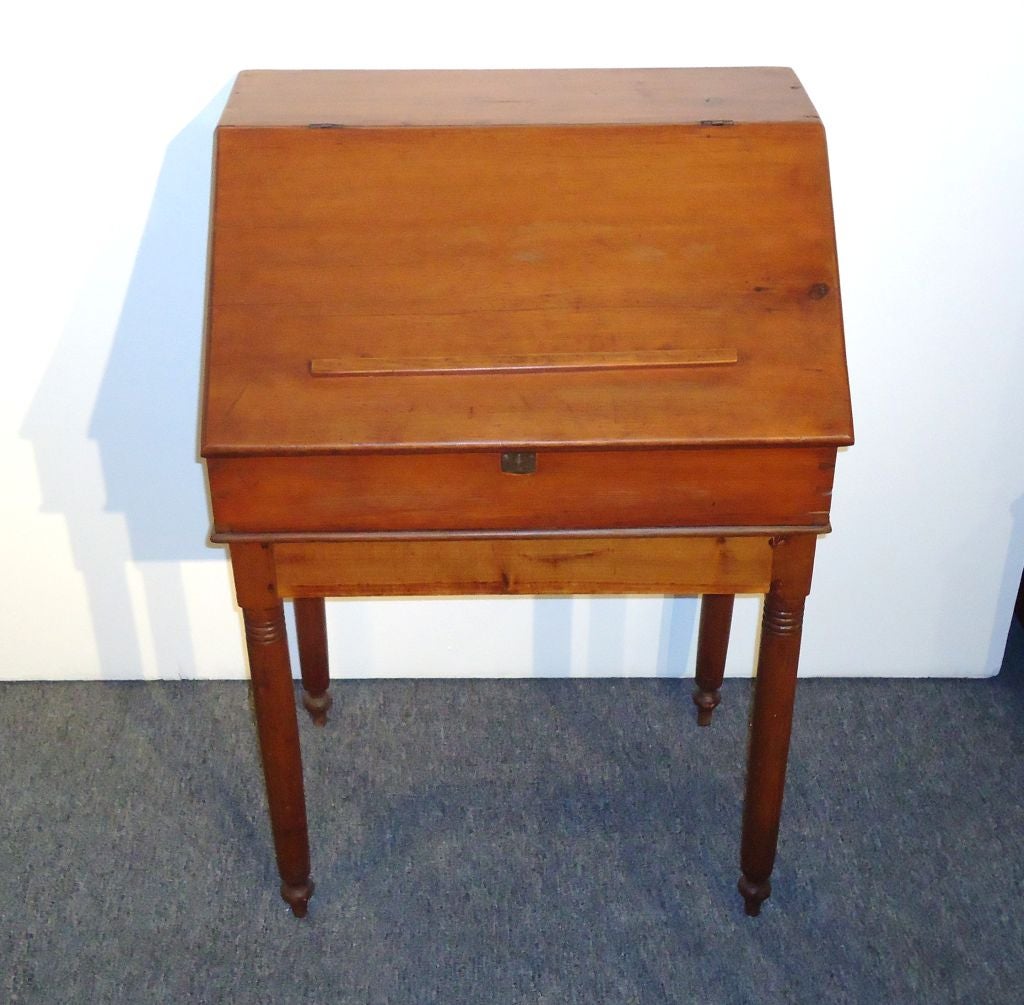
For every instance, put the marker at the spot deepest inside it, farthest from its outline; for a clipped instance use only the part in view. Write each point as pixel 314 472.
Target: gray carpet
pixel 541 841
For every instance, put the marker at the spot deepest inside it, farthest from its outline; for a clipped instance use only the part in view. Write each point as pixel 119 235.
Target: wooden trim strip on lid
pixel 355 365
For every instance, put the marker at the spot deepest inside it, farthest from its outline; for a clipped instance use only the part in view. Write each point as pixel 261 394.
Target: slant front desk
pixel 522 332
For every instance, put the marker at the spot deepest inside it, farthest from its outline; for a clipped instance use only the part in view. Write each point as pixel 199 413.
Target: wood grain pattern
pixel 496 241
pixel 518 566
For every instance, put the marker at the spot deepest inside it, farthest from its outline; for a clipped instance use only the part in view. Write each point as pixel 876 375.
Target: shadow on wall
pixel 143 423
pixel 141 508
pixel 1011 590
pixel 607 638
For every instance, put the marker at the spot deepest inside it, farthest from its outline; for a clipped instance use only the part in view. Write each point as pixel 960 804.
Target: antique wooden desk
pixel 530 332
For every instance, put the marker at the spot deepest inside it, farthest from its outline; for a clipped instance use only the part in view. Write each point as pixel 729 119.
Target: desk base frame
pixel 716 564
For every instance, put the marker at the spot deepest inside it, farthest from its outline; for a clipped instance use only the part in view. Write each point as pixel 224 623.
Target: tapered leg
pixel 712 646
pixel 273 694
pixel 772 718
pixel 274 700
pixel 311 628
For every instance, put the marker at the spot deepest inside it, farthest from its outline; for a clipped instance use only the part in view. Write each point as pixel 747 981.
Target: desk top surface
pixel 437 98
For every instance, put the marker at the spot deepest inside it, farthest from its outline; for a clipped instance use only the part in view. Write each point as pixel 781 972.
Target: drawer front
pixel 364 493
pixel 565 490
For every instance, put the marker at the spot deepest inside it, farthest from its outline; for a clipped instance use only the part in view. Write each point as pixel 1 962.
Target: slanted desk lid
pixel 599 263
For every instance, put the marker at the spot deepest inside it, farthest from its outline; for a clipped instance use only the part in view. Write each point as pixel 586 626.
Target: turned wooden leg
pixel 311 628
pixel 712 646
pixel 274 699
pixel 772 718
pixel 273 693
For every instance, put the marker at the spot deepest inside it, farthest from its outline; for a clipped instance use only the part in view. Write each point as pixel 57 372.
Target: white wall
pixel 108 110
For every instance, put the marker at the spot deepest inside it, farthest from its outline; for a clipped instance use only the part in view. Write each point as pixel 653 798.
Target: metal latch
pixel 519 462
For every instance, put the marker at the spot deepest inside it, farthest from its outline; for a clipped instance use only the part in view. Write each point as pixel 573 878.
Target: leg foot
pixel 706 702
pixel 754 895
pixel 317 705
pixel 712 646
pixel 311 629
pixel 297 897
